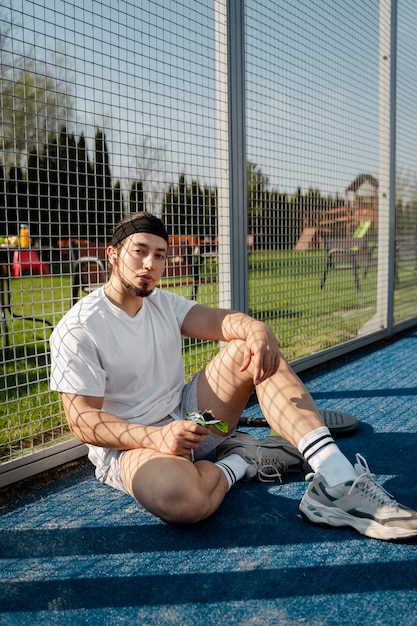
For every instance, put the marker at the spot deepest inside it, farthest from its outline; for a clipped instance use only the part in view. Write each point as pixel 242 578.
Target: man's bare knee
pixel 188 509
pixel 179 492
pixel 178 505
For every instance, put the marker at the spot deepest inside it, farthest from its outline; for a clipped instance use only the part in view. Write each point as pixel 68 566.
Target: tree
pixel 136 197
pixel 85 174
pixel 16 211
pixel 103 209
pixel 149 167
pixel 59 196
pixel 257 187
pixel 257 203
pixel 190 210
pixel 34 101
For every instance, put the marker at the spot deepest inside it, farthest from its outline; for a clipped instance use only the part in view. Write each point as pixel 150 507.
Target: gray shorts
pixel 113 475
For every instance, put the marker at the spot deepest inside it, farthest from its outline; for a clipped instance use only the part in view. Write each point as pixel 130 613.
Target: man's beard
pixel 138 292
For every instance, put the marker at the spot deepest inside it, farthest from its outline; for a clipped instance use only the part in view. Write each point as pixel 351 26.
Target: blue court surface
pixel 76 552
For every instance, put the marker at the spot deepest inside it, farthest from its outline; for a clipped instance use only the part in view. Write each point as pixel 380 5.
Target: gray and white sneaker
pixel 268 458
pixel 361 504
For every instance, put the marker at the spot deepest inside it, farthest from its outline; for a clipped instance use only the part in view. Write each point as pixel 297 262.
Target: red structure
pixel 28 260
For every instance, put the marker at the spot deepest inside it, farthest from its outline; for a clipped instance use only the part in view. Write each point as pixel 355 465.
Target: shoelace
pixel 366 482
pixel 269 469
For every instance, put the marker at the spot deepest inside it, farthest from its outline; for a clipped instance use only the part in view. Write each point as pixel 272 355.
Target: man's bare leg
pixel 286 405
pixel 177 490
pixel 285 402
pixel 172 487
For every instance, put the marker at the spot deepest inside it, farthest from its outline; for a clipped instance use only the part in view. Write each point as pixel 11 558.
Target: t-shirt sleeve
pixel 180 305
pixel 75 362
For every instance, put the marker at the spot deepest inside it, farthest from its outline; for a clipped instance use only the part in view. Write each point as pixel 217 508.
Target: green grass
pixel 284 291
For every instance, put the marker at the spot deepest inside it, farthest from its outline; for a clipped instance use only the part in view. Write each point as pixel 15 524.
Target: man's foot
pixel 361 504
pixel 268 458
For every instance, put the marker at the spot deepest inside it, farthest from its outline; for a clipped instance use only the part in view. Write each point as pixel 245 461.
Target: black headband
pixel 139 223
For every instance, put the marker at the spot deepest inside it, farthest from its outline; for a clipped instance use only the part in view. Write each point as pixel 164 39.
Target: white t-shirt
pixel 134 363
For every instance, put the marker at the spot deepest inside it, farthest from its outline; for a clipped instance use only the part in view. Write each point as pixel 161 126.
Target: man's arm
pixel 261 350
pixel 90 424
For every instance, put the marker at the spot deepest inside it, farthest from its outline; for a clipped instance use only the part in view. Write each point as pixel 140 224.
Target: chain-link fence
pixel 275 139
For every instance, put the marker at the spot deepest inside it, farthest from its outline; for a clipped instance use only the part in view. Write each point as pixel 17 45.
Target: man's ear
pixel 111 254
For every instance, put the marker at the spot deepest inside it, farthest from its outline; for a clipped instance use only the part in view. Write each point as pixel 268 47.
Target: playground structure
pixel 361 205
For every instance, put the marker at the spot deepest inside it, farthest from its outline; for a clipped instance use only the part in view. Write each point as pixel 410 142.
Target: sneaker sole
pixel 331 517
pixel 339 423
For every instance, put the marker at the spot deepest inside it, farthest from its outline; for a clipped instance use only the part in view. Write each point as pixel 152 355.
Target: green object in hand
pixel 201 420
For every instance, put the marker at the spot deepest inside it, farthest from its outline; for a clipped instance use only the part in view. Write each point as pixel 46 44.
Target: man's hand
pixel 179 438
pixel 261 351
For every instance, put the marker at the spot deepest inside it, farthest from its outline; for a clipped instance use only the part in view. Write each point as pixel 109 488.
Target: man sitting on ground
pixel 117 362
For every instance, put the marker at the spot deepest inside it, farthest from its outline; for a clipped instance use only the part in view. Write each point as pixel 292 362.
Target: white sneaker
pixel 361 504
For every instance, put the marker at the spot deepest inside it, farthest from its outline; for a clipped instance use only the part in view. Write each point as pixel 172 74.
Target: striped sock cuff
pixel 228 472
pixel 314 447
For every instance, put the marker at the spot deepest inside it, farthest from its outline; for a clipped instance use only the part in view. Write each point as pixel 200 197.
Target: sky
pixel 144 71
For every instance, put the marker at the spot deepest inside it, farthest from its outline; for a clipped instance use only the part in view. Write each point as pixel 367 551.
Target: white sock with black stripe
pixel 234 468
pixel 324 457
